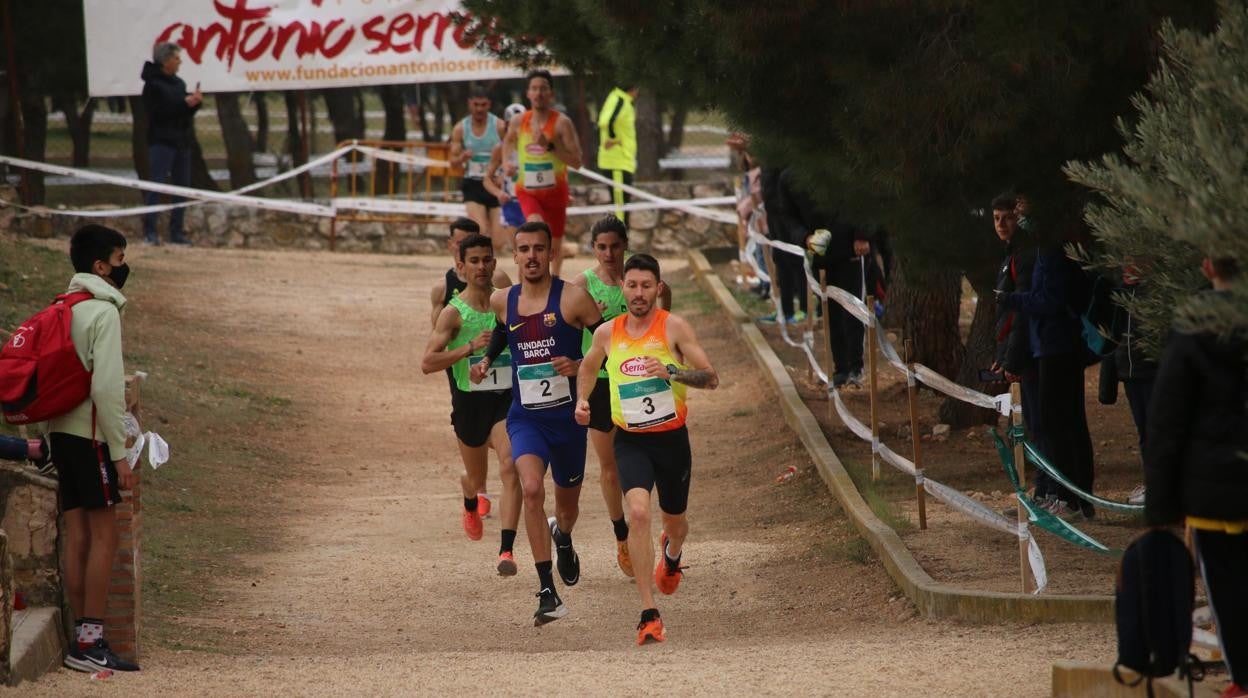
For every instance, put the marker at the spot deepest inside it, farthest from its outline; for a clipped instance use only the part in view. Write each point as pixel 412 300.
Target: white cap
pixel 512 110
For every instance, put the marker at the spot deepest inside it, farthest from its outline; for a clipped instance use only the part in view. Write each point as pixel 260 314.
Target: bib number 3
pixel 647 403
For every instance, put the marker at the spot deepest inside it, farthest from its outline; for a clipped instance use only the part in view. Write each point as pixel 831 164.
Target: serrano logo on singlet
pixel 536 348
pixel 534 149
pixel 635 366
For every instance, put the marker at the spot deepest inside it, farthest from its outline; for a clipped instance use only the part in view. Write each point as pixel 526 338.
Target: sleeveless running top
pixel 480 146
pixel 534 340
pixel 454 286
pixel 613 305
pixel 641 403
pixel 539 168
pixel 474 322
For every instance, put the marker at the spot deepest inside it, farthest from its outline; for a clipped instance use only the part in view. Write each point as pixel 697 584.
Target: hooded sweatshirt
pixel 169 117
pixel 96 331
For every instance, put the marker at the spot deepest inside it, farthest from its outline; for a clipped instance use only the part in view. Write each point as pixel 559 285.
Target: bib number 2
pixel 542 387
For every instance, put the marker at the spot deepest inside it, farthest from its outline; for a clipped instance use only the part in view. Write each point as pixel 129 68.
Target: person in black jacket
pixel 783 206
pixel 1057 346
pixel 1195 466
pixel 170 113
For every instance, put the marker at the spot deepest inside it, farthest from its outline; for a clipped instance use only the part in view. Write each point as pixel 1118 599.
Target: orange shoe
pixel 472 525
pixel 666 580
pixel 651 630
pixel 506 565
pixel 483 505
pixel 622 558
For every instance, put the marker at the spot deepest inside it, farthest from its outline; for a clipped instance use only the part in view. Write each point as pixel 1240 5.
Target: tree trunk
pixel 201 176
pixel 649 136
pixel 423 102
pixel 980 349
pixel 34 142
pixel 237 137
pixel 586 130
pixel 138 138
pixel 924 304
pixel 439 106
pixel 395 130
pixel 455 95
pixel 343 113
pixel 676 131
pixel 261 143
pixel 294 139
pixel 78 124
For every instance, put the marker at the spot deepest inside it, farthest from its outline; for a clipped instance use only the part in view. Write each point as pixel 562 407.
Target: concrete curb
pixel 933 599
pixel 1084 680
pixel 37 643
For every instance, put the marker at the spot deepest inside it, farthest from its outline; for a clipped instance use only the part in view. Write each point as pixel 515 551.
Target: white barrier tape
pixel 399 156
pixel 718 216
pixel 900 462
pixel 845 299
pixel 856 427
pixel 406 206
pixel 646 205
pixel 303 208
pixel 960 502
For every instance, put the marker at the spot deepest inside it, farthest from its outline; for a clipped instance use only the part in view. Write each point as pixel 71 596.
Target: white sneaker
pixel 1136 496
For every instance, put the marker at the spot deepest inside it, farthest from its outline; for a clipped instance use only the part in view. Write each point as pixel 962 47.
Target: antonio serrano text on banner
pixel 251 45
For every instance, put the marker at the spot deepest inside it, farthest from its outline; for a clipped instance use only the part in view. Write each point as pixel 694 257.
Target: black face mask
pixel 119 274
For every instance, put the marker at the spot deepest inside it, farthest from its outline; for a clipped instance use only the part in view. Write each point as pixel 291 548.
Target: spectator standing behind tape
pixel 170 119
pixel 791 217
pixel 1057 346
pixel 1129 364
pixel 1194 463
pixel 617 143
pixel 856 263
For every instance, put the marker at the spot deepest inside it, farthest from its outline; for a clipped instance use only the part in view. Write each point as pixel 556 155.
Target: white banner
pixel 249 45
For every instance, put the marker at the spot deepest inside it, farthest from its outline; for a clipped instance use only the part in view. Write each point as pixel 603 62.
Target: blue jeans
pixel 168 165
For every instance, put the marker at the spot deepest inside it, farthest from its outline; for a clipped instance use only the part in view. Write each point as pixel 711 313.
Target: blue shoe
pixel 796 318
pixel 769 319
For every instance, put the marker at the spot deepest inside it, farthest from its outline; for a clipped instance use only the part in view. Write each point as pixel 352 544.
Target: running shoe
pixel 1137 495
pixel 622 558
pixel 856 378
pixel 666 577
pixel 472 525
pixel 651 629
pixel 769 319
pixel 483 505
pixel 96 657
pixel 506 565
pixel 566 559
pixel 549 607
pixel 796 318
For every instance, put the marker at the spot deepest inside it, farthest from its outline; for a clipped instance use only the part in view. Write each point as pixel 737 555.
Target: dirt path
pixel 373 588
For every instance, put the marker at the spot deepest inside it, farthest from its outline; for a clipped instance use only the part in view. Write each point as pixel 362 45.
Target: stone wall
pixel 28 515
pixel 219 225
pixel 6 608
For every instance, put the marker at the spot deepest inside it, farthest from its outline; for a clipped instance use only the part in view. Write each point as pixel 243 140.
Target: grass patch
pixel 876 495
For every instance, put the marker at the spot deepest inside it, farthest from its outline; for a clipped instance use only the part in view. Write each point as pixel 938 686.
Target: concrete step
pixel 38 643
pixel 1092 680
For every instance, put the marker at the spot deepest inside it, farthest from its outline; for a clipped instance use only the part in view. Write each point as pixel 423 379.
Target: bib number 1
pixel 541 386
pixel 497 378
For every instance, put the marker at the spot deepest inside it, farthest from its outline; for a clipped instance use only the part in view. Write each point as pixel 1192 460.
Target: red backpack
pixel 41 376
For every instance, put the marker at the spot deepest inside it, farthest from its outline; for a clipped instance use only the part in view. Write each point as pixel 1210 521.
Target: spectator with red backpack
pixel 89 444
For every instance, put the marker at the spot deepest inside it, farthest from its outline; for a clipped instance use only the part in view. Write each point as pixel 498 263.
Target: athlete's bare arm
pixel 436 357
pixel 697 371
pixel 490 182
pixel 498 303
pixel 579 310
pixel 435 299
pixel 567 145
pixel 587 375
pixel 458 155
pixel 501 280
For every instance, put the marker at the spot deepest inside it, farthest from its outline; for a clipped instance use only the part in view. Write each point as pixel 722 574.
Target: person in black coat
pixel 784 206
pixel 1195 463
pixel 170 113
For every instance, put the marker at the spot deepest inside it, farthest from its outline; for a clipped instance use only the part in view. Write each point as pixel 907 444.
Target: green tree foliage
pixel 1180 190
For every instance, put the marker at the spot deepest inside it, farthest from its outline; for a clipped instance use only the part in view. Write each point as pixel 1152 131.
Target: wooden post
pixel 811 299
pixel 912 391
pixel 775 283
pixel 827 340
pixel 1020 467
pixel 873 385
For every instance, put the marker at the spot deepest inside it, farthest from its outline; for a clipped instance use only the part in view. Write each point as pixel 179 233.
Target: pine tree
pixel 1179 192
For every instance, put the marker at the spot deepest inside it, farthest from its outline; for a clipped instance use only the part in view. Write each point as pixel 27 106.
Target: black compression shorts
pixel 474 414
pixel 658 459
pixel 600 407
pixel 475 193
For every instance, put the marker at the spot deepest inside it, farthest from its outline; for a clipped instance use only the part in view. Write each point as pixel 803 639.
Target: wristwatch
pixel 550 147
pixel 671 370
